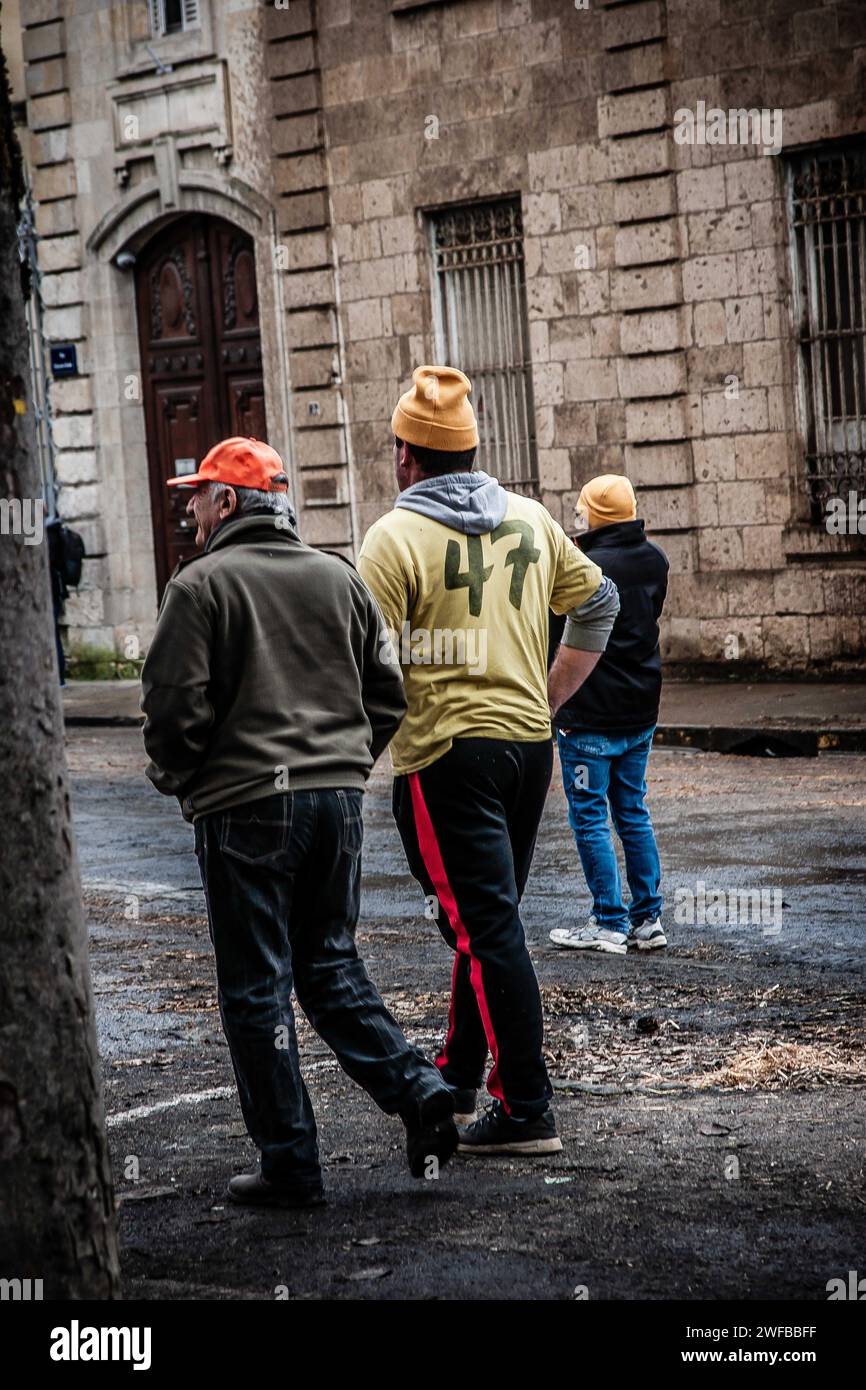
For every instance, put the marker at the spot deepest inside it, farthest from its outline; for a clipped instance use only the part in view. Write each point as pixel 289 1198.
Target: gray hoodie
pixel 475 504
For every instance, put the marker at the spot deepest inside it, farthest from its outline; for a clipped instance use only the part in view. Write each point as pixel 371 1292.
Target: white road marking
pixel 143 888
pixel 141 1112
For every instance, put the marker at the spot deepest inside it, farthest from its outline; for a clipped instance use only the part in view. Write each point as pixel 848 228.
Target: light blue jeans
pixel 600 769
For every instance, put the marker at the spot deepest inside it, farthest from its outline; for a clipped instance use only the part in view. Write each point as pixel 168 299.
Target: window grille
pixel 173 16
pixel 481 327
pixel 829 220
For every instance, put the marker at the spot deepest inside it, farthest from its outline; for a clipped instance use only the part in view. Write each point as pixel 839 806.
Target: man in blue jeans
pixel 605 730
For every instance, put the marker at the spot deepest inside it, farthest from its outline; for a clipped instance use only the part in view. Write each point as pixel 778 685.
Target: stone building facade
pixel 506 181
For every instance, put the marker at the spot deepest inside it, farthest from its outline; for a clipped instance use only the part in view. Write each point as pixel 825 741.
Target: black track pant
pixel 468 825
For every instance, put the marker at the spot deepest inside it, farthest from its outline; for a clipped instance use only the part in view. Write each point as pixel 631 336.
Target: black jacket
pixel 624 689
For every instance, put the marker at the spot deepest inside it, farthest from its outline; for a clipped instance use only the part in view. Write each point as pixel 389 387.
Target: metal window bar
pixel 481 327
pixel 829 221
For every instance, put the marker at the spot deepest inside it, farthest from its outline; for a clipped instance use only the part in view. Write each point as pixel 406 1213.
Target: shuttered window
pixel 829 221
pixel 173 16
pixel 482 328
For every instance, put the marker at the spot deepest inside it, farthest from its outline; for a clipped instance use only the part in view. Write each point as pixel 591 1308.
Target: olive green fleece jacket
pixel 269 671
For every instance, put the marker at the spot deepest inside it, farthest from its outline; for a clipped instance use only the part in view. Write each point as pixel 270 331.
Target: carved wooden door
pixel 198 326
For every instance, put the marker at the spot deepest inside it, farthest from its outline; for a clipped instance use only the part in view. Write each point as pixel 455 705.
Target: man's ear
pixel 228 501
pixel 406 459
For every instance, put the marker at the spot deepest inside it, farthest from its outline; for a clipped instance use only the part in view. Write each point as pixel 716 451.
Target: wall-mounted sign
pixel 64 360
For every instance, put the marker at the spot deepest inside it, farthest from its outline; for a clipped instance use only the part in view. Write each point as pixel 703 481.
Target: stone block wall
pixel 320 442
pixel 658 274
pixel 54 183
pixel 92 190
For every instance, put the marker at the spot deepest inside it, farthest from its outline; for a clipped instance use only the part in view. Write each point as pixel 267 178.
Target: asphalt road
pixel 711 1097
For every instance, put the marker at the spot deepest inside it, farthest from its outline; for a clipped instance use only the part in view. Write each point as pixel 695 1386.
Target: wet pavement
pixel 711 1098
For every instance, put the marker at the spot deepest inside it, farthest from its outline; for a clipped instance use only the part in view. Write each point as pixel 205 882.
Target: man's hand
pixel 570 669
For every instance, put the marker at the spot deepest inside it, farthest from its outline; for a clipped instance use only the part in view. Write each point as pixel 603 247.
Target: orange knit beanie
pixel 435 413
pixel 607 499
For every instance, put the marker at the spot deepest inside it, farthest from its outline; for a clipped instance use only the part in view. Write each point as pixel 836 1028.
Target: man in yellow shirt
pixel 465 573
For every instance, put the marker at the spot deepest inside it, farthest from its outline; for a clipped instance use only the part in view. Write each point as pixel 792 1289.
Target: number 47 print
pixel 476 574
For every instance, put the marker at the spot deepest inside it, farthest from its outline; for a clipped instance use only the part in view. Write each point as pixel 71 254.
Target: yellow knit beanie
pixel 435 413
pixel 607 499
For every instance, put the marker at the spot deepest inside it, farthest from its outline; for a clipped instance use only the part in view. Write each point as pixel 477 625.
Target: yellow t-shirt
pixel 468 616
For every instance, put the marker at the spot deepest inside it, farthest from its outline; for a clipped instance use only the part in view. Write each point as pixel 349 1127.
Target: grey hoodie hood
pixel 473 503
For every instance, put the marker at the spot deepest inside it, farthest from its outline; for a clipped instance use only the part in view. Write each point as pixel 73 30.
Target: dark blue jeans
pixel 598 768
pixel 282 882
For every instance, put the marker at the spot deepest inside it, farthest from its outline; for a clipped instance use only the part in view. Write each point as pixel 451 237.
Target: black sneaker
pixel 497 1133
pixel 431 1134
pixel 251 1189
pixel 465 1111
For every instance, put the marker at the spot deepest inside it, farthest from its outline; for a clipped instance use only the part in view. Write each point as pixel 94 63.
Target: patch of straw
pixel 787 1066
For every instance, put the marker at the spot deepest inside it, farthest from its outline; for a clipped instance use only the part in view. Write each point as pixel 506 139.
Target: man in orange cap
pixel 465 573
pixel 250 477
pixel 605 730
pixel 269 694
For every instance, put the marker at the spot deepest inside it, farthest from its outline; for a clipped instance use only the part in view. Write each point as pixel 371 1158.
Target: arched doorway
pixel 201 361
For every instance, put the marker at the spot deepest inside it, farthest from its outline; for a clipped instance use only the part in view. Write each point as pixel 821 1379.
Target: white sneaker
pixel 590 938
pixel 648 936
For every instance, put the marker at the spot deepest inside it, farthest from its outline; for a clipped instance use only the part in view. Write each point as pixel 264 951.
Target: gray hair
pixel 252 499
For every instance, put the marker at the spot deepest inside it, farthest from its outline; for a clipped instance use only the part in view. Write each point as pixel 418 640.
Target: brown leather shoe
pixel 251 1189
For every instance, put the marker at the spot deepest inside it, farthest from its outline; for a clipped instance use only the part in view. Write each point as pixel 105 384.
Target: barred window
pixel 479 304
pixel 173 16
pixel 829 220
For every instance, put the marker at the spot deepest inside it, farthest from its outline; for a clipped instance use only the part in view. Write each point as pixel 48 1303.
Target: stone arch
pixel 147 208
pixel 115 365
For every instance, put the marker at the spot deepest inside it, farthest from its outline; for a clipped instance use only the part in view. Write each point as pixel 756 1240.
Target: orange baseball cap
pixel 240 463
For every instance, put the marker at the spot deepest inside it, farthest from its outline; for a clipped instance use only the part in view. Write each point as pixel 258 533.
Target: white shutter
pixel 191 17
pixel 156 24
